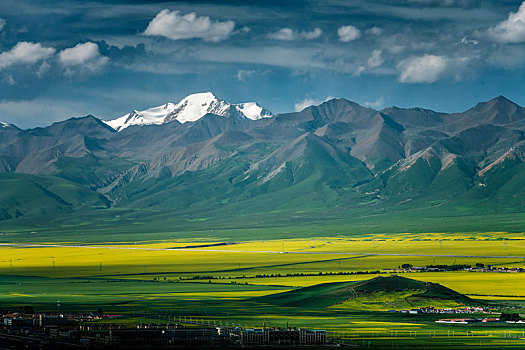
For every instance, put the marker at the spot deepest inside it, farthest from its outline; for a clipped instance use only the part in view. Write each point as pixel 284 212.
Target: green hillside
pixel 40 195
pixel 377 294
pixel 336 168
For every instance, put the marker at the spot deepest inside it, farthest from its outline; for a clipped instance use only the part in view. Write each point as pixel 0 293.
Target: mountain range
pixel 204 156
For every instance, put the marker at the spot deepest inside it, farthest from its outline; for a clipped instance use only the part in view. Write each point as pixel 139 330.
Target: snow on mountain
pixel 6 125
pixel 190 109
pixel 253 111
pixel 155 115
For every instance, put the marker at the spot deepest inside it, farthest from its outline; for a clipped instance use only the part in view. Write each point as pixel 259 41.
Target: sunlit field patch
pixel 204 278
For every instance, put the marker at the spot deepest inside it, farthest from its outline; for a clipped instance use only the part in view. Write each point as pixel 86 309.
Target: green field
pixel 303 282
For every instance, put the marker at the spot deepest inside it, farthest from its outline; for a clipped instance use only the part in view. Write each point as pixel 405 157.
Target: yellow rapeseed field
pixel 180 260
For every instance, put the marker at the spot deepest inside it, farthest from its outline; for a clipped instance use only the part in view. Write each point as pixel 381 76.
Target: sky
pixel 61 59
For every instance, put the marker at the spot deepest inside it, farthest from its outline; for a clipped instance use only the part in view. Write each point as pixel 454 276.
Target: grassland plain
pixel 125 225
pixel 205 279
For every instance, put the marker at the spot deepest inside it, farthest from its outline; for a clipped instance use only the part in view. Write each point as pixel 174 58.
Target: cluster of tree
pixel 201 278
pixel 314 274
pixel 454 267
pixel 509 317
pixel 157 279
pixel 208 277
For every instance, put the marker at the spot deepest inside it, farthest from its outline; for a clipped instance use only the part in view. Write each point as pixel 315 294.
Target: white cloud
pixel 242 74
pixel 375 59
pixel 288 34
pixel 283 34
pixel 314 34
pixel 84 57
pixel 468 41
pixel 359 70
pixel 2 24
pixel 348 33
pixel 375 31
pixel 511 30
pixel 25 53
pixel 422 69
pixel 375 104
pixel 307 102
pixel 43 69
pixel 174 26
pixel 430 68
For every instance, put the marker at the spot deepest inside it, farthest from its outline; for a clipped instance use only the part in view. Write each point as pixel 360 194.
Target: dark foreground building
pixel 282 337
pixel 77 332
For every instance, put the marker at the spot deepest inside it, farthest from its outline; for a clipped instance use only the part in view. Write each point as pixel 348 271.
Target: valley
pixel 262 174
pixel 333 283
pixel 371 225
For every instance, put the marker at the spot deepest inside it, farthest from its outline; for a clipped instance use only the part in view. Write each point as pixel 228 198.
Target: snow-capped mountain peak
pixel 194 107
pixel 190 109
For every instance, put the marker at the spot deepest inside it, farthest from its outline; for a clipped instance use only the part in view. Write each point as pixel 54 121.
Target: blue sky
pixel 60 59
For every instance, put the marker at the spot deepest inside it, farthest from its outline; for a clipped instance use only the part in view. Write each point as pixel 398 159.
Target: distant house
pixel 458 320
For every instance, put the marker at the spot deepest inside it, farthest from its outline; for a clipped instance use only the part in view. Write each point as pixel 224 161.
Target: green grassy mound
pixel 377 294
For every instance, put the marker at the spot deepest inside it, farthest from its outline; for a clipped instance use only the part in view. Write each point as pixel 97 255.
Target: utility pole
pixel 58 313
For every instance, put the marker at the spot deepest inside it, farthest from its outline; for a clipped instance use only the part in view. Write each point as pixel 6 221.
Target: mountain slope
pixel 35 151
pixel 207 157
pixel 30 195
